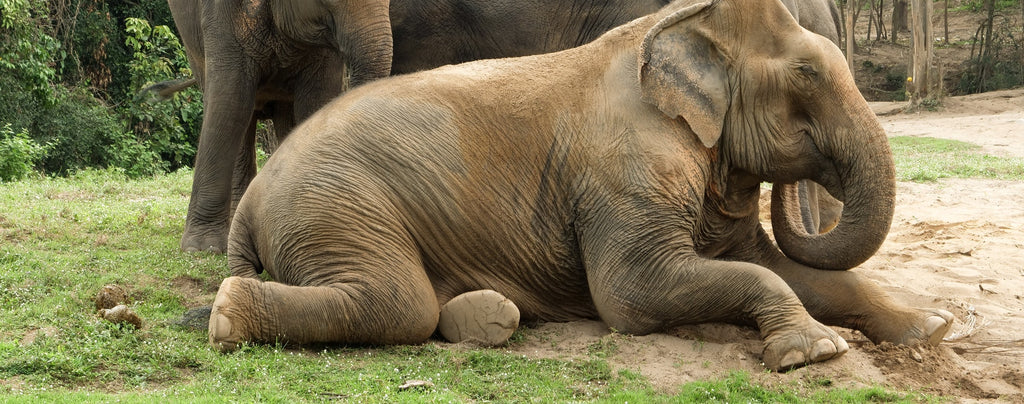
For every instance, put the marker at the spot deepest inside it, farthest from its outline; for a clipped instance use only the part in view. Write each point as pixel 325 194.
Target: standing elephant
pixel 618 180
pixel 426 34
pixel 266 59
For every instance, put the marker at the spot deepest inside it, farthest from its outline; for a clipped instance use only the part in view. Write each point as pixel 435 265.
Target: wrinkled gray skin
pixel 431 33
pixel 426 34
pixel 266 59
pixel 630 194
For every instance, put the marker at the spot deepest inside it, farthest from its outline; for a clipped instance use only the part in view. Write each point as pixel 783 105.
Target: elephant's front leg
pixel 847 299
pixel 245 165
pixel 228 102
pixel 643 296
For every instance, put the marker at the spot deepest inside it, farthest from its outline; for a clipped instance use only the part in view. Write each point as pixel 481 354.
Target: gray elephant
pixel 618 180
pixel 294 81
pixel 266 59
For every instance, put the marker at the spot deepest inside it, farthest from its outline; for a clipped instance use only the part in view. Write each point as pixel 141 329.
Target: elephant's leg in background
pixel 245 165
pixel 315 89
pixel 284 122
pixel 228 101
pixel 847 299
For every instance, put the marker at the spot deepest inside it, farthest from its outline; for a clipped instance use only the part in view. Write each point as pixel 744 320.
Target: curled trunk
pixel 866 185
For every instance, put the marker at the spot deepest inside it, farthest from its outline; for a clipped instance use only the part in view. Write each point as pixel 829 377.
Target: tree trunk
pixel 880 31
pixel 921 77
pixel 985 52
pixel 871 19
pixel 945 21
pixel 899 17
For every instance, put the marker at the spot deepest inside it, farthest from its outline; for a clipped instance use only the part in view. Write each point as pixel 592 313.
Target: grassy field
pixel 928 159
pixel 63 239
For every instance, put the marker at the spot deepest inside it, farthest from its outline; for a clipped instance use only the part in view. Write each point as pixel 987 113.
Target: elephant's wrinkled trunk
pixel 369 47
pixel 868 188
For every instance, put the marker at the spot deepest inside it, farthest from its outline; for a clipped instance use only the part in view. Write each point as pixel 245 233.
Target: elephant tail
pixel 164 90
pixel 243 257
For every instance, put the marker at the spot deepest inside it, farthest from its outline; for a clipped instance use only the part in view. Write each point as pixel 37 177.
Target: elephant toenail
pixel 792 358
pixel 842 346
pixel 823 349
pixel 936 327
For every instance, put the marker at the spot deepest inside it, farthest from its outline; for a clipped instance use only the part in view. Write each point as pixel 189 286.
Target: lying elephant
pixel 618 180
pixel 284 72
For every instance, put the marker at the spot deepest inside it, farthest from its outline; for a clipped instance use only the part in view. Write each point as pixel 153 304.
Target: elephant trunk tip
pixel 859 234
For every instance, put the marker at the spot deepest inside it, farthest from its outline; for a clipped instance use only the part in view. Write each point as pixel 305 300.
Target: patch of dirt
pixel 32 335
pixel 196 292
pixel 957 244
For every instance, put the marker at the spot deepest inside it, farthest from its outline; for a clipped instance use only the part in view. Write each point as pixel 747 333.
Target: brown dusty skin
pixel 485 317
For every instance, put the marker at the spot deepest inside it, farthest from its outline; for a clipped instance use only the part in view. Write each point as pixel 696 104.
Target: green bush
pixel 79 128
pixel 27 51
pixel 170 129
pixel 18 154
pixel 68 79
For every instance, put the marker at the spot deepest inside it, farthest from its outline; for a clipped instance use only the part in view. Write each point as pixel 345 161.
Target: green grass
pixel 61 240
pixel 925 159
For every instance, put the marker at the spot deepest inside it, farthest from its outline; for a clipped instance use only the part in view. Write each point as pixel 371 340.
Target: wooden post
pixel 920 81
pixel 850 45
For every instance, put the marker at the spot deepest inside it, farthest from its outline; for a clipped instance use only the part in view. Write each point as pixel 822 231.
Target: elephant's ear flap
pixel 683 73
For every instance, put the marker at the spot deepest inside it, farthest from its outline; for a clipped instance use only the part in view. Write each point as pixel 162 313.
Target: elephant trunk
pixel 368 44
pixel 867 186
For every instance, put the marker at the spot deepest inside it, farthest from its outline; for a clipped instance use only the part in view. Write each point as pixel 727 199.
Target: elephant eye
pixel 808 70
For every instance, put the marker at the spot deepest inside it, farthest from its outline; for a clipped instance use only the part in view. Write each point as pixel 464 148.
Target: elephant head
pixel 779 103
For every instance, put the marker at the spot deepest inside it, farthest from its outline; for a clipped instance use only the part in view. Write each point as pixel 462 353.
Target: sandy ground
pixel 955 244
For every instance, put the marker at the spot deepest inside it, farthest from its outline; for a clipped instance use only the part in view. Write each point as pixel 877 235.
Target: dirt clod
pixel 110 296
pixel 121 314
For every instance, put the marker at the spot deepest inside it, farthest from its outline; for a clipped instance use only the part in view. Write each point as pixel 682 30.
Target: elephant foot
pixel 226 329
pixel 482 316
pixel 920 326
pixel 215 242
pixel 784 351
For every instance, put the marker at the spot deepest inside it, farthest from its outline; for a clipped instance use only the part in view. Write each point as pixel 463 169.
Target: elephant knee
pixel 626 317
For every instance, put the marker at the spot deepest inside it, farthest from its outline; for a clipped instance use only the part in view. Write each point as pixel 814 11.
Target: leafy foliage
pixel 997 63
pixel 27 51
pixel 18 154
pixel 68 79
pixel 169 129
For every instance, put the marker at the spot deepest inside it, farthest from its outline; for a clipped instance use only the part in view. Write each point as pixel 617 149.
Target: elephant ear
pixel 683 73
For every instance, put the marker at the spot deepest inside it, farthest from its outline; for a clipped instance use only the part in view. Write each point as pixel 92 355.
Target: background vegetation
pixel 69 74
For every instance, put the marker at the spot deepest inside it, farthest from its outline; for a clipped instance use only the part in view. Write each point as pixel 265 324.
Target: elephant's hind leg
pixel 485 317
pixel 399 309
